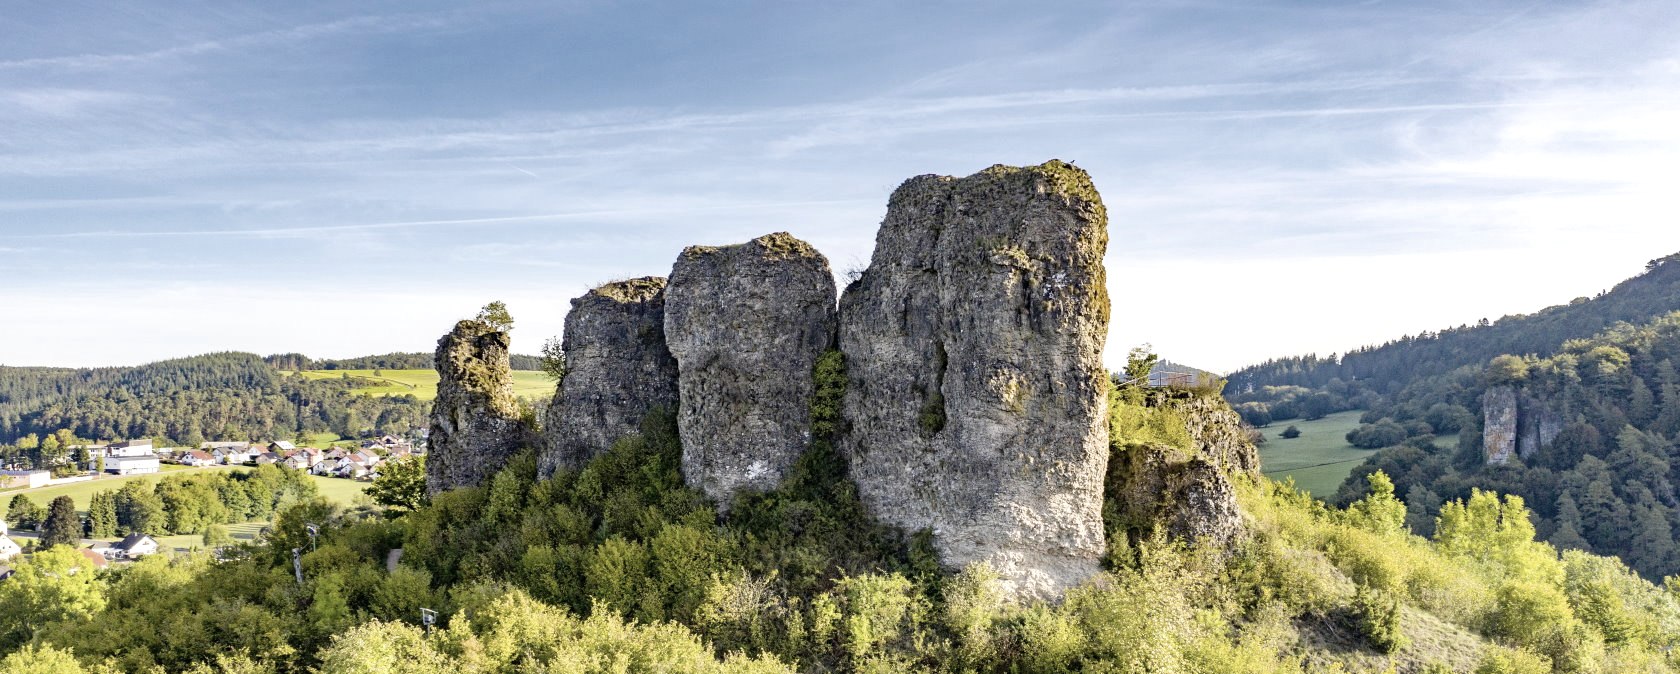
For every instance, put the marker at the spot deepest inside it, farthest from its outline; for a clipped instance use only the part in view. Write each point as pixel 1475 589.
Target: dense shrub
pixel 1377 435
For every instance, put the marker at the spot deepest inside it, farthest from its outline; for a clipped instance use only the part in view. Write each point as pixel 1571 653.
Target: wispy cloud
pixel 268 38
pixel 308 230
pixel 523 150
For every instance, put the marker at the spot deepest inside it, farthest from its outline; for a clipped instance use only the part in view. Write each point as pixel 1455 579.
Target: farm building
pixel 132 465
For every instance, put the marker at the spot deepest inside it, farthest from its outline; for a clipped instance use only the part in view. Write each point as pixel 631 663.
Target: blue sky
pixel 337 179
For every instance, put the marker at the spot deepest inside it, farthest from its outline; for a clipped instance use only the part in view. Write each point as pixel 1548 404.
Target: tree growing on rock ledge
pixel 495 315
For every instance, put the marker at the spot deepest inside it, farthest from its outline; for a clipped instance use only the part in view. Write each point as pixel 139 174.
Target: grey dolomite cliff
pixel 976 384
pixel 618 368
pixel 746 324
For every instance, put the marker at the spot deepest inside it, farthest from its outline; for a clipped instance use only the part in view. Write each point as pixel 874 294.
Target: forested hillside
pixel 1605 482
pixel 1387 368
pixel 223 396
pixel 1602 371
pixel 390 361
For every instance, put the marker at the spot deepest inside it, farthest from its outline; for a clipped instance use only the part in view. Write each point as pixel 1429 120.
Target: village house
pixel 299 460
pixel 353 469
pixel 232 456
pixel 94 558
pixel 130 448
pixel 267 458
pixel 8 547
pixel 281 446
pixel 134 546
pixel 198 458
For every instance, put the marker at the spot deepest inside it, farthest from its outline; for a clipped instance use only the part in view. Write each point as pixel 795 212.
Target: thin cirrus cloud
pixel 1439 163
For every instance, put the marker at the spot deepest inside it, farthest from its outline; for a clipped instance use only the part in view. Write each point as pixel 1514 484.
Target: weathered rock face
pixel 1218 433
pixel 976 386
pixel 746 324
pixel 1186 492
pixel 1538 424
pixel 1499 424
pixel 475 424
pixel 617 370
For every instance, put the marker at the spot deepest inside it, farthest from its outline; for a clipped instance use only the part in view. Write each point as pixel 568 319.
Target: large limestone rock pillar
pixel 746 324
pixel 617 370
pixel 976 392
pixel 475 423
pixel 1499 423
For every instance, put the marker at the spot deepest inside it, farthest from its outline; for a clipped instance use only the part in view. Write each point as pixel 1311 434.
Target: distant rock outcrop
pixel 746 324
pixel 475 424
pixel 617 370
pixel 1516 423
pixel 976 384
pixel 1538 424
pixel 1499 423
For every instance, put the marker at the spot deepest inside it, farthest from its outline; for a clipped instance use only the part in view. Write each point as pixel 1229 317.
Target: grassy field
pixel 335 489
pixel 1318 460
pixel 242 533
pixel 422 384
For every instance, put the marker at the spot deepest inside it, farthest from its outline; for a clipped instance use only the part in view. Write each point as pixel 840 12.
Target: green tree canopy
pixel 62 526
pixel 401 484
pixel 495 315
pixel 1506 369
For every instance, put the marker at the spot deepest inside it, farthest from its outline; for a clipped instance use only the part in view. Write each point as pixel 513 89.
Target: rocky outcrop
pixel 746 324
pixel 1217 432
pixel 1187 491
pixel 1499 423
pixel 976 385
pixel 475 423
pixel 1538 424
pixel 617 370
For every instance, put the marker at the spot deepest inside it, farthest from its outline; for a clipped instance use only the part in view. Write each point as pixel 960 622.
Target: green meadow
pixel 422 384
pixel 1320 459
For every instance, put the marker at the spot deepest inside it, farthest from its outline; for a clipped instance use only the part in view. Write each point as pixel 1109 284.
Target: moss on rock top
pixel 631 290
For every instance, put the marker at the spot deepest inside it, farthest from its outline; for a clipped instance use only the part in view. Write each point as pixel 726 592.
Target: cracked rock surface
pixel 976 387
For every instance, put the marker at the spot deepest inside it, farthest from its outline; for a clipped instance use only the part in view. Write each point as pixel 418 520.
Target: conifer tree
pixel 1652 550
pixel 1605 516
pixel 102 515
pixel 62 526
pixel 1568 534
